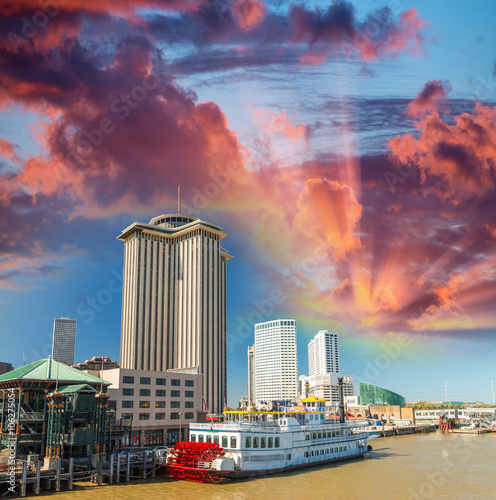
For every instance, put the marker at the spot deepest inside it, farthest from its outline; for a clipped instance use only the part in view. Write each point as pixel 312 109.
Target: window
pixel 233 442
pixel 255 442
pixel 270 442
pixel 248 442
pixel 175 416
pixel 262 442
pixel 209 439
pixel 192 438
pixel 144 404
pixel 126 391
pixel 144 392
pixel 216 439
pixel 160 381
pixel 144 416
pixel 175 394
pixel 319 435
pixel 175 404
pixel 224 441
pixel 189 394
pixel 307 436
pixel 189 404
pixel 288 457
pixel 314 435
pixel 175 381
pixel 159 404
pixel 277 442
pixel 189 383
pixel 160 393
pixel 127 404
pixel 189 415
pixel 159 416
pixel 145 380
pixel 128 380
pixel 127 416
pixel 200 438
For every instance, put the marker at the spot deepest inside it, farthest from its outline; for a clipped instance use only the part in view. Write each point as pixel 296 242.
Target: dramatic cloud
pixel 430 99
pixel 249 13
pixel 455 160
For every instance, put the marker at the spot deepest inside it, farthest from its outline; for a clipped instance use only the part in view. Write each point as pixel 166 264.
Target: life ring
pixel 308 421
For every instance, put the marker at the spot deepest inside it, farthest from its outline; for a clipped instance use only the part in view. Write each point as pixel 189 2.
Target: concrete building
pixel 245 402
pixel 325 386
pixel 64 340
pixel 157 405
pixel 174 300
pixel 251 374
pixel 276 362
pixel 5 367
pixel 97 363
pixel 323 353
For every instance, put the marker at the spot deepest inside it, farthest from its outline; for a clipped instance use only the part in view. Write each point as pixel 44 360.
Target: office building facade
pixel 174 300
pixel 64 340
pixel 5 367
pixel 323 353
pixel 325 386
pixel 276 362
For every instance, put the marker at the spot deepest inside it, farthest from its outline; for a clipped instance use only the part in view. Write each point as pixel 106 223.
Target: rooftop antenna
pixel 101 376
pixel 178 199
pixel 23 359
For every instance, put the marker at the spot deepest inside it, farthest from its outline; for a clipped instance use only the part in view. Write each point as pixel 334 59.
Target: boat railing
pixel 265 427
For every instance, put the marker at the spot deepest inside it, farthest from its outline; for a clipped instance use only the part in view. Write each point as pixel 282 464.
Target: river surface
pixel 404 467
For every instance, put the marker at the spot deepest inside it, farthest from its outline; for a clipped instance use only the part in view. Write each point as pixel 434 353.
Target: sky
pixel 347 148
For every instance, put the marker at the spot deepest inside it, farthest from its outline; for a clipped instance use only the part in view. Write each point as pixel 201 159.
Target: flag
pixel 225 405
pixel 251 402
pixel 205 407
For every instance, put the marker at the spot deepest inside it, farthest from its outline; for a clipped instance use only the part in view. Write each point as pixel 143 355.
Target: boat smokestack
pixel 341 400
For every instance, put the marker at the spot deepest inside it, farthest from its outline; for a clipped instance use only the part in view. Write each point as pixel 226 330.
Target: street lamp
pixel 180 415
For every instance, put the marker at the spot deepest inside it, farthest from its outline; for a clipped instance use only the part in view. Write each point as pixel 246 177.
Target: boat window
pixel 208 439
pixel 307 436
pixel 289 456
pixel 262 443
pixel 319 435
pixel 270 443
pixel 255 442
pixel 311 417
pixel 233 442
pixel 277 442
pixel 314 435
pixel 200 438
pixel 216 439
pixel 224 441
pixel 312 453
pixel 192 438
pixel 248 442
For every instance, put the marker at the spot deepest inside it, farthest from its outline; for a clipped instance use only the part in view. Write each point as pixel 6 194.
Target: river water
pixel 410 467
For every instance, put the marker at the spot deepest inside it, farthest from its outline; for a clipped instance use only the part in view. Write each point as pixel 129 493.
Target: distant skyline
pixel 347 148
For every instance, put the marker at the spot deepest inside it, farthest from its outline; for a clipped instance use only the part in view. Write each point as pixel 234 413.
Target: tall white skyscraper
pixel 251 374
pixel 174 300
pixel 323 353
pixel 64 340
pixel 276 363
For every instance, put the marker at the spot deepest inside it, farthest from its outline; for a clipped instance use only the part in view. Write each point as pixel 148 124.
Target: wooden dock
pixel 119 467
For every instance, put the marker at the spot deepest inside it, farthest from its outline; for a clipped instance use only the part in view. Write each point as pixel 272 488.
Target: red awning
pixel 212 418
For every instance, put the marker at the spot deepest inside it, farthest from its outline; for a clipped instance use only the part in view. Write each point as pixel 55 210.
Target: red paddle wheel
pixel 191 461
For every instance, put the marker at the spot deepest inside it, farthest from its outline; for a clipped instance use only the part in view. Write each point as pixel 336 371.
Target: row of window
pixel 325 434
pixel 214 439
pixel 264 442
pixel 158 404
pixel 158 416
pixel 127 391
pixel 158 381
pixel 325 451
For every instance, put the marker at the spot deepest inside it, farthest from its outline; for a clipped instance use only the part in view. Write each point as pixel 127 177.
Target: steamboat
pixel 257 443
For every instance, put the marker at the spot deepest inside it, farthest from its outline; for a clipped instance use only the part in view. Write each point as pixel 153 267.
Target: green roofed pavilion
pixel 47 370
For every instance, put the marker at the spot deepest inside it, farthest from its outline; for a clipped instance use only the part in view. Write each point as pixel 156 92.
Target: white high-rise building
pixel 174 300
pixel 64 340
pixel 276 364
pixel 251 375
pixel 323 353
pixel 325 386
